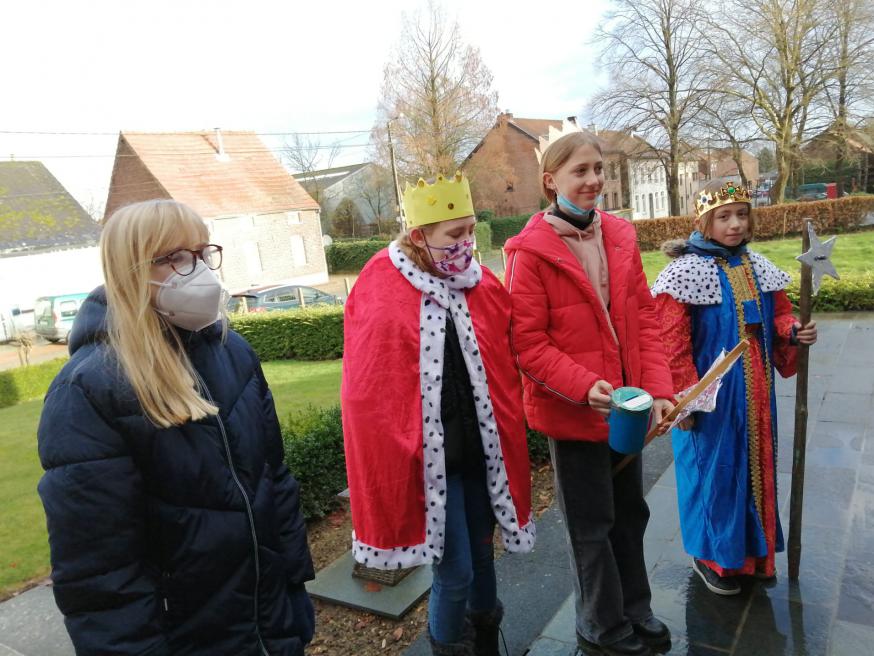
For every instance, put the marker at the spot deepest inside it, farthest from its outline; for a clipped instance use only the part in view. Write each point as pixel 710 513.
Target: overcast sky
pixel 291 66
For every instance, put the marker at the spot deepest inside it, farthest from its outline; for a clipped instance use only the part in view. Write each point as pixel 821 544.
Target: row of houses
pixel 504 173
pixel 265 220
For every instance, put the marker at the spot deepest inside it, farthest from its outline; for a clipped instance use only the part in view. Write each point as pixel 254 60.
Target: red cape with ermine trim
pixel 382 396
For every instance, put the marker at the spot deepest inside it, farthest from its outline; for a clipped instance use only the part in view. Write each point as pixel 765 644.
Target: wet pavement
pixel 830 609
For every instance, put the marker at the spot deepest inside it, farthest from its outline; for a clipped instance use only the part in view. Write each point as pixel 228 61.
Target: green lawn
pixel 24 552
pixel 853 254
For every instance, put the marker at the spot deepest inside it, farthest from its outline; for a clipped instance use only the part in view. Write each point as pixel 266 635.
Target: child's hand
pixel 661 408
pixel 599 397
pixel 687 424
pixel 806 335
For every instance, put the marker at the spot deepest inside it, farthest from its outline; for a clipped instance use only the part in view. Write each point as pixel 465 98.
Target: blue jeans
pixel 465 577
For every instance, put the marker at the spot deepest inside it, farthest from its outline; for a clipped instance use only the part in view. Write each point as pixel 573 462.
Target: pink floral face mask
pixel 456 258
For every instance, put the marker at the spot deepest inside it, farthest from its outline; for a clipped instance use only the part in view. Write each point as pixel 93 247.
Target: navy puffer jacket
pixel 187 540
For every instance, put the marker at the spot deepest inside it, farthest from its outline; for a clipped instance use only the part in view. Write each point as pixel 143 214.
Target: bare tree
pixel 374 187
pixel 438 93
pixel 651 50
pixel 853 79
pixel 724 120
pixel 306 154
pixel 774 60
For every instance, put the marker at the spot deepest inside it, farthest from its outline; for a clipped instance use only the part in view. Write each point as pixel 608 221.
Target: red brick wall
pixel 504 173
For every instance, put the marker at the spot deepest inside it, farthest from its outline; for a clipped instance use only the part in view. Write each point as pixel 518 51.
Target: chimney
pixel 593 129
pixel 221 155
pixel 572 119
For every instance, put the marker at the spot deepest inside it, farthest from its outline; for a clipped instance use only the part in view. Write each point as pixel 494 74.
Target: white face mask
pixel 191 302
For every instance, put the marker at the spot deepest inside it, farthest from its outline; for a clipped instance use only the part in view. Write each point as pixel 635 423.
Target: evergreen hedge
pixel 483 233
pixel 302 334
pixel 26 383
pixel 351 256
pixel 313 443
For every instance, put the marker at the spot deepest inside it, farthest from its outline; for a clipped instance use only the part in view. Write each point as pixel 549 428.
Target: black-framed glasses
pixel 183 260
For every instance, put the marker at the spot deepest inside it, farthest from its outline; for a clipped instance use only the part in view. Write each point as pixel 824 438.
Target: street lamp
pixel 394 172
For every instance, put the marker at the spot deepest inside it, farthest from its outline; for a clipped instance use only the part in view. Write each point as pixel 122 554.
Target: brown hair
pixel 420 256
pixel 559 152
pixel 702 223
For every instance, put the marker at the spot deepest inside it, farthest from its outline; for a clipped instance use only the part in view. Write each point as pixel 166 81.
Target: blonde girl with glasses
pixel 174 525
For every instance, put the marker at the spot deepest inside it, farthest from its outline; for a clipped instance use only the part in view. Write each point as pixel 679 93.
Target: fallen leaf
pixel 372 586
pixel 398 633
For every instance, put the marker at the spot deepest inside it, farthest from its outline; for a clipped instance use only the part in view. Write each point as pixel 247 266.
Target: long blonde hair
pixel 148 348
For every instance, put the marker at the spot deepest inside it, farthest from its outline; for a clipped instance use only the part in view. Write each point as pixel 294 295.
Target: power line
pixel 175 154
pixel 115 134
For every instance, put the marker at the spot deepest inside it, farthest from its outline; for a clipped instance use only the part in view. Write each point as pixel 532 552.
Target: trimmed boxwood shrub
pixel 351 256
pixel 483 233
pixel 26 383
pixel 506 227
pixel 313 443
pixel 849 294
pixel 305 334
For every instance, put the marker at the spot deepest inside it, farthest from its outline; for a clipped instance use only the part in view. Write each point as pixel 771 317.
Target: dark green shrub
pixel 313 443
pixel 26 383
pixel 506 227
pixel 483 233
pixel 349 256
pixel 485 215
pixel 538 447
pixel 849 294
pixel 309 334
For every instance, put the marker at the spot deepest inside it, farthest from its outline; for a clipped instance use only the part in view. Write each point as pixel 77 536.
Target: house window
pixel 293 218
pixel 298 251
pixel 694 176
pixel 637 203
pixel 615 200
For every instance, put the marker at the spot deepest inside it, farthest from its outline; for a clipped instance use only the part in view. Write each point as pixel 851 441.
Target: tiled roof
pixel 535 127
pixel 248 179
pixel 36 212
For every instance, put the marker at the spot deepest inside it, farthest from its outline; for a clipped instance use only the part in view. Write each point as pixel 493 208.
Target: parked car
pixel 54 315
pixel 286 297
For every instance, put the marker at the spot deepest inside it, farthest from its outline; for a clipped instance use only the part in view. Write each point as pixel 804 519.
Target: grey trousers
pixel 605 518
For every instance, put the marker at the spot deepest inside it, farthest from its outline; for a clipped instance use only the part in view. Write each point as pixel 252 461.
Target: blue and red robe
pixel 726 465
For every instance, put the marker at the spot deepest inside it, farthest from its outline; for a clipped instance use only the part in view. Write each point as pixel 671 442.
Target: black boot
pixel 463 647
pixel 485 625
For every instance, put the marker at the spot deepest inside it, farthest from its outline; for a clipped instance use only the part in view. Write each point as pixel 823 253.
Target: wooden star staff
pixel 815 263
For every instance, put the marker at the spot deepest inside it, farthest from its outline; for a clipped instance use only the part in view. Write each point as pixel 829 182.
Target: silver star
pixel 817 258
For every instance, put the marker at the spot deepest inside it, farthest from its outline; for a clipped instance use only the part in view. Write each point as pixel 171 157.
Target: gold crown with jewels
pixel 444 200
pixel 729 193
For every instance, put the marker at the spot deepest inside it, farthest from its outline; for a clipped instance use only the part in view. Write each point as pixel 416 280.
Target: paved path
pixel 830 610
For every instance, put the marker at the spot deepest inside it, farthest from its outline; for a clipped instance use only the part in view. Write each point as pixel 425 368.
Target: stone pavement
pixel 830 609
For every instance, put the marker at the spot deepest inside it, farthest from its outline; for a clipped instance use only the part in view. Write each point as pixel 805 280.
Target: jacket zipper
pixel 516 355
pixel 249 513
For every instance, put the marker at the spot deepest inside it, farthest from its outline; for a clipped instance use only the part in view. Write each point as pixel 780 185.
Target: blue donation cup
pixel 629 419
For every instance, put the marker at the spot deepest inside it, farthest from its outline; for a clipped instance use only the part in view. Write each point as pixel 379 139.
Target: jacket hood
pixel 90 324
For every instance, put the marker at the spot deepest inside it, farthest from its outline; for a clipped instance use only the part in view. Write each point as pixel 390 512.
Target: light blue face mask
pixel 570 208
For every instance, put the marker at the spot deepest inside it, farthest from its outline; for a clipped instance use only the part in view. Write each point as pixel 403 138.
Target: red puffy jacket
pixel 561 335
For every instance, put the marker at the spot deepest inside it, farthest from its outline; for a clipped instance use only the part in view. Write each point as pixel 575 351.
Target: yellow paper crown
pixel 729 193
pixel 431 203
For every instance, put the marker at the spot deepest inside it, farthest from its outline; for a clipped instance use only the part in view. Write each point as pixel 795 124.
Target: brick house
pixel 266 222
pixel 505 172
pixel 48 242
